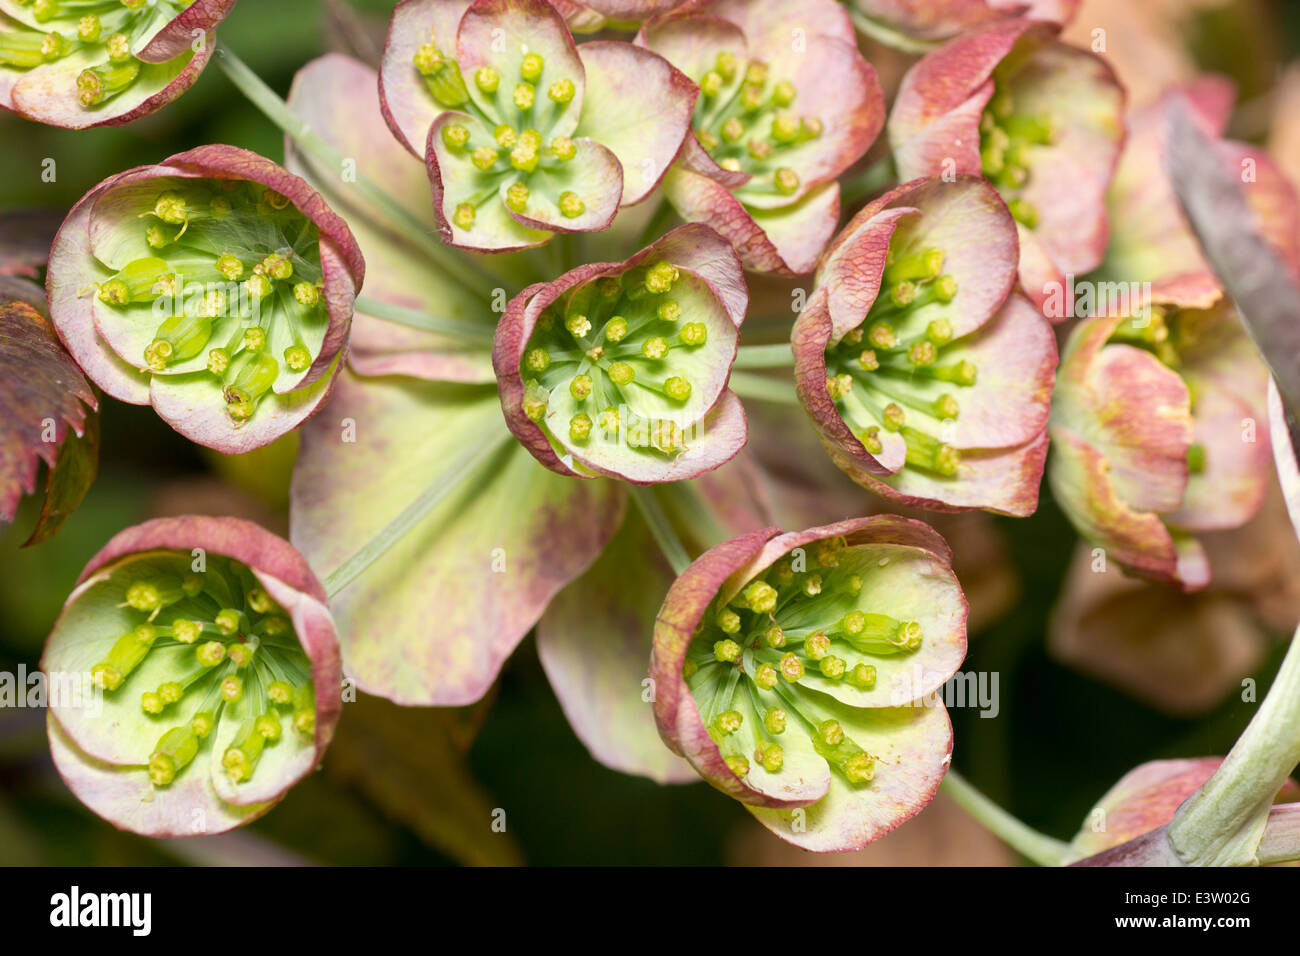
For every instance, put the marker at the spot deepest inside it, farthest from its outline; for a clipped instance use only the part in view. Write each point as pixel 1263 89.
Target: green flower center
pixel 1008 139
pixel 235 273
pixel 234 657
pixel 512 160
pixel 605 355
pixel 890 373
pixel 760 665
pixel 103 33
pixel 744 118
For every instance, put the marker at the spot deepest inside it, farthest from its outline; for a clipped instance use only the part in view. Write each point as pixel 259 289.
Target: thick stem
pixel 456 328
pixel 763 388
pixel 660 527
pixel 764 356
pixel 1025 840
pixel 1221 824
pixel 455 267
pixel 415 512
pixel 871 180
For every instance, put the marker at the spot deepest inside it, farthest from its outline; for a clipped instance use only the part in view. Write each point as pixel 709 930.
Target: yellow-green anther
pixel 791 668
pixel 151 703
pixel 751 97
pixel 729 721
pixel 677 388
pixel 517 197
pixel 230 267
pixel 187 632
pixel 241 655
pixel 203 724
pixel 839 386
pixel 487 79
pixel 655 347
pixel 944 289
pixel 169 692
pixel 118 47
pixel 123 657
pixel 218 361
pixel 505 136
pixel 484 157
pixel 581 387
pixel 774 721
pixel 811 126
pixel 232 688
pixel 832 667
pixel 241 757
pixel 523 157
pixel 304 709
pixel 306 294
pixel 608 420
pixel 274 626
pixel 258 285
pixel 580 427
pixel 881 336
pixel 179 338
pixel 868 361
pixel 455 137
pixel 53 46
pixel 562 91
pixel 766 676
pixel 534 401
pixel 922 354
pixel 669 311
pixel 279 692
pixel 728 621
pixel 830 732
pixel 524 96
pixel 621 373
pixel 444 81
pixel 221 208
pixel 268 725
pixel 88 28
pixel 893 417
pixel 774 636
pixel 578 326
pixel 615 329
pixel 571 205
pixel 695 334
pixel 530 68
pixel 708 140
pixel 946 407
pixel 726 64
pixel 95 84
pixel 563 148
pixel 172 754
pixel 871 440
pixel 862 676
pixel 783 93
pixel 464 215
pixel 772 758
pixel 760 149
pixel 860 768
pixel 732 130
pixel 816 645
pixel 738 765
pixel 159 236
pixel 731 164
pixel 427 58
pixel 144 596
pixel 812 585
pixel 902 293
pixel 726 651
pixel 228 621
pixel 537 360
pixel 211 653
pixel 297 358
pixel 660 277
pixel 939 331
pixel 785 128
pixel 711 83
pixel 760 596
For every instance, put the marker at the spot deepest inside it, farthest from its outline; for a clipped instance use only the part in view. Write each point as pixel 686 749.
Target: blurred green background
pixel 419 786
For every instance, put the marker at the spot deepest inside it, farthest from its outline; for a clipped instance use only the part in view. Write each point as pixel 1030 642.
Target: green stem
pixel 1222 823
pixel 764 356
pixel 415 512
pixel 660 527
pixel 455 267
pixel 763 388
pixel 1025 840
pixel 456 328
pixel 871 180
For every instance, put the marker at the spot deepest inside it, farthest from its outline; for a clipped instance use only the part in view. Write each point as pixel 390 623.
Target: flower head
pixel 216 286
pixel 779 117
pixel 208 675
pixel 524 133
pixel 926 376
pixel 1153 428
pixel 77 65
pixel 788 670
pixel 1040 119
pixel 621 369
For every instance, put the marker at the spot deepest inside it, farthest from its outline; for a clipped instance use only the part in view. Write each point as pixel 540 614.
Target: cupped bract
pixel 796 673
pixel 199 676
pixel 620 369
pixel 927 377
pixel 77 65
pixel 216 286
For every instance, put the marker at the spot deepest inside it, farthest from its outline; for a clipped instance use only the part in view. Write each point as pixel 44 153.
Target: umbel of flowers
pixel 216 286
pixel 209 674
pixel 78 64
pixel 790 669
